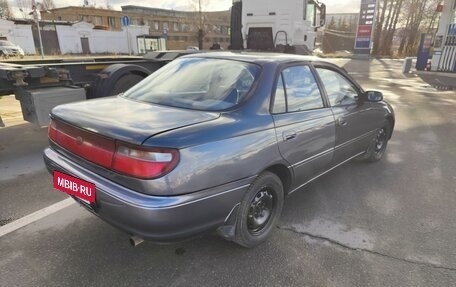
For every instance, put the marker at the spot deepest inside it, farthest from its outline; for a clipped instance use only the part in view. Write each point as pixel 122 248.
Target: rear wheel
pixel 259 210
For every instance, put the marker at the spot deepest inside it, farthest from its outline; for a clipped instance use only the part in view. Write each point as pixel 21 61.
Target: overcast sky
pixel 333 6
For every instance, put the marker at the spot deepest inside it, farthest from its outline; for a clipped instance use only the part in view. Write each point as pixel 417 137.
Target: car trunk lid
pixel 127 120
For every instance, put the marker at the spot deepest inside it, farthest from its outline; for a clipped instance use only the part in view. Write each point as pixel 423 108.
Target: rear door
pixel 304 123
pixel 355 120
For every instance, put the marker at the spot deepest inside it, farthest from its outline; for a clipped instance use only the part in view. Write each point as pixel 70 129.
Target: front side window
pixel 296 90
pixel 197 83
pixel 340 91
pixel 310 13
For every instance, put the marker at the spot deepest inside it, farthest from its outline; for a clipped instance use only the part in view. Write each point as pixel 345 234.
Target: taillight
pixel 94 148
pixel 52 131
pixel 136 161
pixel 146 163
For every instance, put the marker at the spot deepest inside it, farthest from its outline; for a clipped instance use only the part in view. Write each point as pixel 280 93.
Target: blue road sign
pixel 125 21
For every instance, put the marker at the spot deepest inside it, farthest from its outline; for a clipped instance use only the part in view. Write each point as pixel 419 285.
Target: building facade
pixel 59 37
pixel 18 33
pixel 180 28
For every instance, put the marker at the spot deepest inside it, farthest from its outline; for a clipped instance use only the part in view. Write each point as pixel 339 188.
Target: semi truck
pixel 270 25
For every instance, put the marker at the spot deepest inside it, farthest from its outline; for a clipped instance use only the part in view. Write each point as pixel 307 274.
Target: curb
pixel 440 74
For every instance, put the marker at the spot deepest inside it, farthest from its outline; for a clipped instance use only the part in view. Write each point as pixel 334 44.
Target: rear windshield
pixel 197 83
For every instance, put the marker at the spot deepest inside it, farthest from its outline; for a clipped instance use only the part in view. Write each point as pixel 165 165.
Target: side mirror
pixel 322 15
pixel 373 96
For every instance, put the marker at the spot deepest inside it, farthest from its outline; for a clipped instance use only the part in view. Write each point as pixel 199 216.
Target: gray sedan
pixel 213 141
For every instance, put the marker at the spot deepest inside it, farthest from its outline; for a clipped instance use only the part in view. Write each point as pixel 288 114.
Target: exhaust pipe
pixel 135 240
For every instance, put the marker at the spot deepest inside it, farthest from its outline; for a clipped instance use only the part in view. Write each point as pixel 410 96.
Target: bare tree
pixel 47 4
pixel 200 20
pixel 391 29
pixel 388 30
pixel 25 7
pixel 379 25
pixel 410 17
pixel 5 11
pixel 419 17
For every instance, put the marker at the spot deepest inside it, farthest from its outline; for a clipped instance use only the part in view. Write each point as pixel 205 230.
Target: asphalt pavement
pixel 390 223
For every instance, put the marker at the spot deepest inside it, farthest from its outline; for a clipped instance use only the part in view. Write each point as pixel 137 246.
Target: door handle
pixel 341 122
pixel 289 136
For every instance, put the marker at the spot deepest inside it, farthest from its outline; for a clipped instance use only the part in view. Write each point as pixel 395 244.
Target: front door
pixel 355 126
pixel 304 124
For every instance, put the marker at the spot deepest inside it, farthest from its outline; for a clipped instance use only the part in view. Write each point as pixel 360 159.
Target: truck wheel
pixel 259 210
pixel 125 83
pixel 115 79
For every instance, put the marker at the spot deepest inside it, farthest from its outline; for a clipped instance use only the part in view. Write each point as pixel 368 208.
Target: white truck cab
pixel 281 25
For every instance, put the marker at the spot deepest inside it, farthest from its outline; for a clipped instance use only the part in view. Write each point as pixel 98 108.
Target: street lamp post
pixel 200 30
pixel 37 21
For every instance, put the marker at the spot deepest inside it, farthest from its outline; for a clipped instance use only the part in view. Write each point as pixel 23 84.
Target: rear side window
pixel 280 103
pixel 297 88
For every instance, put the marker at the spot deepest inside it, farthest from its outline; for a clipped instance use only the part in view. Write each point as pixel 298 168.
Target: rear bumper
pixel 157 218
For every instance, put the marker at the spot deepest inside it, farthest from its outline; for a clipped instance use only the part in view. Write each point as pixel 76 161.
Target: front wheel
pixel 259 210
pixel 378 146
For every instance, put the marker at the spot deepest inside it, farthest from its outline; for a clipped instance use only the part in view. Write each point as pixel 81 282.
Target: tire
pixel 378 145
pixel 115 79
pixel 259 210
pixel 124 83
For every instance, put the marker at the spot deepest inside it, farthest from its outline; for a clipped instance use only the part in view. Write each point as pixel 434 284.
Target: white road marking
pixel 37 215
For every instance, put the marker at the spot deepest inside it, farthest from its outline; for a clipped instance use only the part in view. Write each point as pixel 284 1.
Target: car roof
pixel 257 57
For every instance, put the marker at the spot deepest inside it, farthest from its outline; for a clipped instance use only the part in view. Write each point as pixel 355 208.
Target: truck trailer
pixel 40 85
